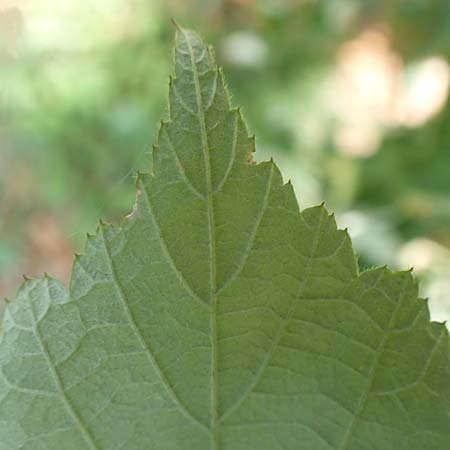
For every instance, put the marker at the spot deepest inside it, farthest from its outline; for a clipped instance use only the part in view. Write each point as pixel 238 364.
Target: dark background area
pixel 349 97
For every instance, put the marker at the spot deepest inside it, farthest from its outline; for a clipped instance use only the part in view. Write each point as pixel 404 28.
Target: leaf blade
pixel 219 316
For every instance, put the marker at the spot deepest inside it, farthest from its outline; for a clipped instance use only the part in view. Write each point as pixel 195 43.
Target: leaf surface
pixel 220 317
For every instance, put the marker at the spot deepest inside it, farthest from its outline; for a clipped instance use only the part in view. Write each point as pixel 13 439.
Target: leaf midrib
pixel 214 383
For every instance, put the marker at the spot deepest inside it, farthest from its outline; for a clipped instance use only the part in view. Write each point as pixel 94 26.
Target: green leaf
pixel 219 317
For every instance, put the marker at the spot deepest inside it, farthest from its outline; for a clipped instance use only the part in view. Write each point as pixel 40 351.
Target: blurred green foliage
pixel 83 86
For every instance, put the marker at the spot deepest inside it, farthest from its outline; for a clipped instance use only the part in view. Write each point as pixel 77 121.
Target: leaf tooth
pixel 251 139
pixel 89 240
pixel 155 150
pixel 324 209
pixel 160 132
pixel 140 176
pixel 408 273
pixel 347 235
pixel 27 284
pixel 289 187
pixel 138 182
pixel 103 225
pixel 162 129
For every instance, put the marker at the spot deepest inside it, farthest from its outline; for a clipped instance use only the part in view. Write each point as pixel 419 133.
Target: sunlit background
pixel 350 98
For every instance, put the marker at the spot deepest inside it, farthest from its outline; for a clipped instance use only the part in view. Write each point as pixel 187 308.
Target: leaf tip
pixel 175 24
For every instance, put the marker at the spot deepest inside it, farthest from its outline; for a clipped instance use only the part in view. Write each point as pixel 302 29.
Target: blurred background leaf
pixel 350 97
